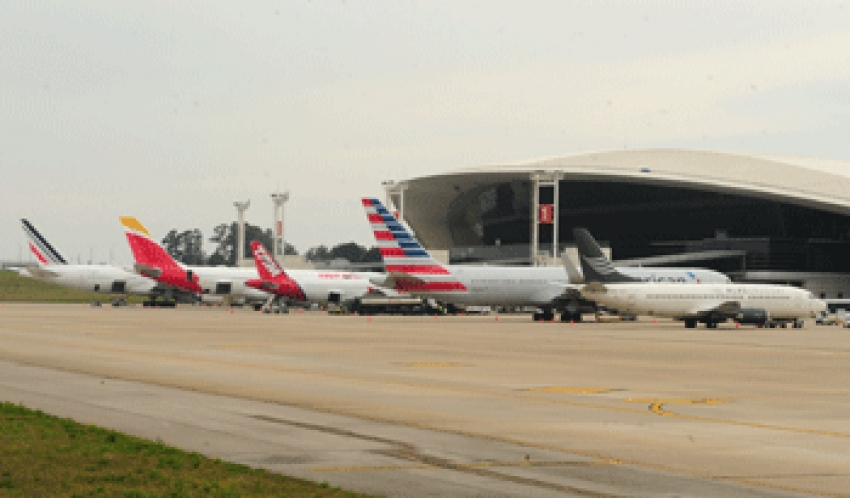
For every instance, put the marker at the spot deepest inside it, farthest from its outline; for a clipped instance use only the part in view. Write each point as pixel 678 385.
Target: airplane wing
pixel 393 278
pixel 572 272
pixel 37 272
pixel 726 309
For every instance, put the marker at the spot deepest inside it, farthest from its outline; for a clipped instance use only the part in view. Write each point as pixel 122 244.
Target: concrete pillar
pixel 241 207
pixel 541 179
pixel 278 241
pixel 556 211
pixel 535 216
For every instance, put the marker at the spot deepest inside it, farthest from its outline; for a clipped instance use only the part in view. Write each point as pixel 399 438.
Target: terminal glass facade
pixel 644 220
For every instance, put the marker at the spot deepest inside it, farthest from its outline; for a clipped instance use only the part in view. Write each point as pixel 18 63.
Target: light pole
pixel 279 243
pixel 241 207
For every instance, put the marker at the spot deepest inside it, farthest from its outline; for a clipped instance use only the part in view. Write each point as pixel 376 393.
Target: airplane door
pixel 223 288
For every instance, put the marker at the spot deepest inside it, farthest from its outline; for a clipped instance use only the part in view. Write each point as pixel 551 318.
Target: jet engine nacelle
pixel 753 316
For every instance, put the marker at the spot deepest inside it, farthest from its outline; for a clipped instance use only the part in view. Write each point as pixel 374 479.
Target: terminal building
pixel 757 218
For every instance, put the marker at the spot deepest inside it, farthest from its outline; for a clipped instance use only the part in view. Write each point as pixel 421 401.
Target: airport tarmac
pixel 454 406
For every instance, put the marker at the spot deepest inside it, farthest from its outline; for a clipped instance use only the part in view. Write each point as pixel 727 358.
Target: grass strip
pixel 16 288
pixel 43 455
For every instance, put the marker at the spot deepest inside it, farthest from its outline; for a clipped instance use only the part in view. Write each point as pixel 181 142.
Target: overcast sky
pixel 171 110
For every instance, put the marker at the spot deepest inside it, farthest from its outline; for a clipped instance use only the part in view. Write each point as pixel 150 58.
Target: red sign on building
pixel 546 214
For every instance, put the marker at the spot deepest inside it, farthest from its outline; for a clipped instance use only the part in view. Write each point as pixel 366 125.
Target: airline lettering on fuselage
pixel 266 260
pixel 654 278
pixel 337 276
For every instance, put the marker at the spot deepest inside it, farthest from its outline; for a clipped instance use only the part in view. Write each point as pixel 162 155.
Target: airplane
pixel 306 286
pixel 410 268
pixel 105 279
pixel 154 262
pixel 757 304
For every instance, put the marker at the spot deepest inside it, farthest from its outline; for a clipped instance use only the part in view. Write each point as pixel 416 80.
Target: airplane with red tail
pixel 253 285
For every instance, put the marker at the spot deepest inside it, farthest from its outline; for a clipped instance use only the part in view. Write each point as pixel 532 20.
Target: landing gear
pixel 543 316
pixel 711 325
pixel 690 323
pixel 275 304
pixel 798 324
pixel 571 317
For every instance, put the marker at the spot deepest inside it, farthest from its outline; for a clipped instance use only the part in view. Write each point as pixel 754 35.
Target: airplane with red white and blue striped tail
pixel 411 269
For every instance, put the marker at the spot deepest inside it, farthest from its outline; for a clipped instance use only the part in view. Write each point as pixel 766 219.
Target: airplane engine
pixel 753 316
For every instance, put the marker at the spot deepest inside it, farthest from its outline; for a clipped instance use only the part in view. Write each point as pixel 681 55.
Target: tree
pixel 186 247
pixel 349 251
pixel 225 236
pixel 373 255
pixel 320 253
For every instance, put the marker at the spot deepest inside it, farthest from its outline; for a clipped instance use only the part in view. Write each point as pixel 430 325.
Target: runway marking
pixel 431 364
pixel 570 390
pixel 678 401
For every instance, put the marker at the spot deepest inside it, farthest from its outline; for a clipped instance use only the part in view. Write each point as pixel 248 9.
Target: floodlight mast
pixel 279 243
pixel 241 207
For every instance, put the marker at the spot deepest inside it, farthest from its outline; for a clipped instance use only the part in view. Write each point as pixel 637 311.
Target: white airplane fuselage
pixel 105 279
pixel 688 300
pixel 317 285
pixel 543 285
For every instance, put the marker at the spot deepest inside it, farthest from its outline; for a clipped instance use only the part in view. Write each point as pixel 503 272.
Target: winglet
pixel 572 272
pixel 594 264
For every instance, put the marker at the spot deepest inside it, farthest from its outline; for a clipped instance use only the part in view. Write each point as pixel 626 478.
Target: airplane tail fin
pixel 267 267
pixel 412 267
pixel 151 258
pixel 41 248
pixel 595 266
pixel 273 278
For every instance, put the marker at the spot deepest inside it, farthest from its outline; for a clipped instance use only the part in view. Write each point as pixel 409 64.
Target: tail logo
pixel 403 254
pixel 266 260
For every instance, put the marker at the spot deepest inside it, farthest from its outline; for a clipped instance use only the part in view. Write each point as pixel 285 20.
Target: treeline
pixel 187 246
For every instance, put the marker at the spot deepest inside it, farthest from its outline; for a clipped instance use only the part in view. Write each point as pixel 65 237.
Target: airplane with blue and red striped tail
pixel 412 269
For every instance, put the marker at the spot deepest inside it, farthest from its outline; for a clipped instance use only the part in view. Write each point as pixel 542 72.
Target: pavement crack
pixel 408 452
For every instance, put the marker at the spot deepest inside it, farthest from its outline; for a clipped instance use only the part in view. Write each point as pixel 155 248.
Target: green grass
pixel 43 455
pixel 15 288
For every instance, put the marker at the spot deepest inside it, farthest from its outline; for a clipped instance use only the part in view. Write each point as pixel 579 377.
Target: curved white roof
pixel 817 183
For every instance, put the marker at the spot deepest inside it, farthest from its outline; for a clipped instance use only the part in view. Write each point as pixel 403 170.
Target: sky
pixel 171 111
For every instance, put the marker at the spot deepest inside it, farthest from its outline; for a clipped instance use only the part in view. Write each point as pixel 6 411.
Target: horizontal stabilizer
pixel 572 272
pixel 146 270
pixel 39 272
